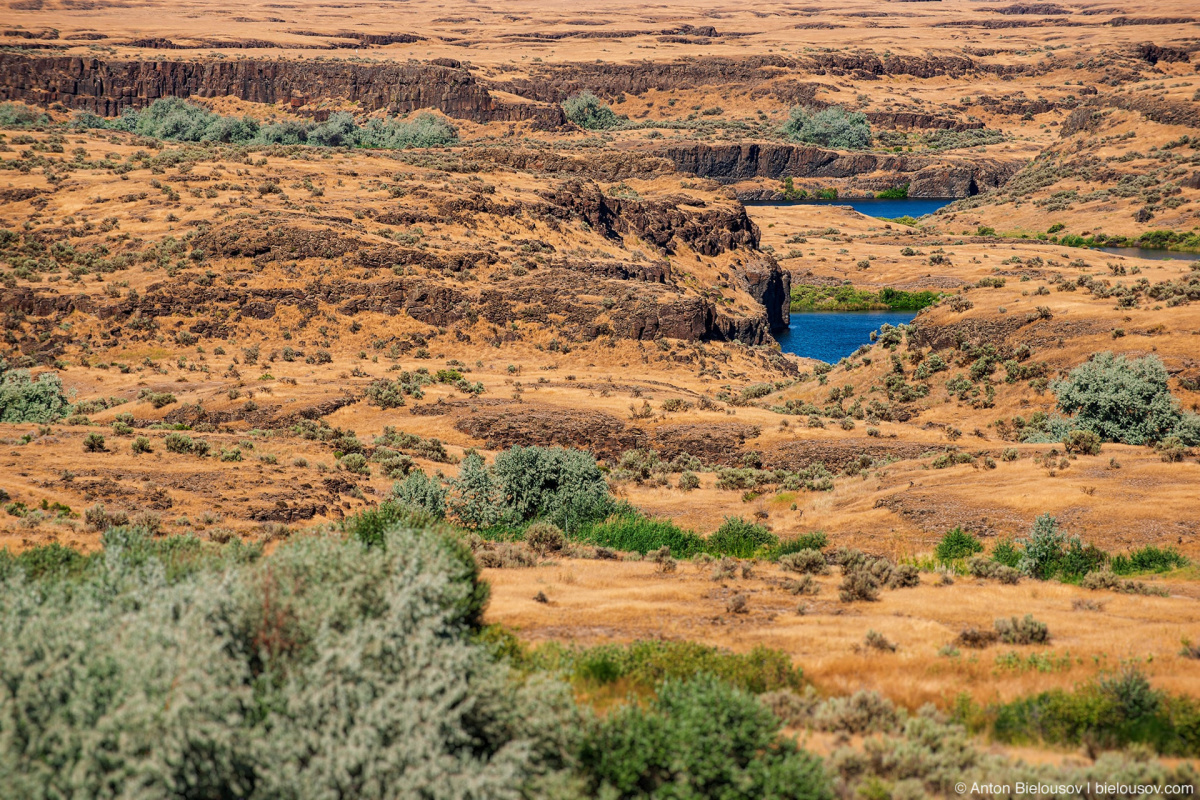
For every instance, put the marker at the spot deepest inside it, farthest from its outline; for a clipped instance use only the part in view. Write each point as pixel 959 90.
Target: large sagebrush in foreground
pixel 329 669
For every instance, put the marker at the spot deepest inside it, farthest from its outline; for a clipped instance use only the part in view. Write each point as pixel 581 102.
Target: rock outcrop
pixel 555 82
pixel 109 87
pixel 772 287
pixel 927 177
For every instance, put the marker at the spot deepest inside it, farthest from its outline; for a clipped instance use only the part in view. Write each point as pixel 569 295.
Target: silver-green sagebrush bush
pixel 1125 400
pixel 24 398
pixel 331 669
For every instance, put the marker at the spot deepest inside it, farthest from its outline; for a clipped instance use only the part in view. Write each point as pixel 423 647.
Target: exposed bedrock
pixel 109 87
pixel 666 222
pixel 555 82
pixel 771 287
pixel 927 177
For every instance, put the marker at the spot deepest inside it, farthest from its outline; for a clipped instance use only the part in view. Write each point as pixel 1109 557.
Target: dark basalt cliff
pixel 109 87
pixel 555 82
pixel 708 231
pixel 771 287
pixel 927 177
pixel 578 297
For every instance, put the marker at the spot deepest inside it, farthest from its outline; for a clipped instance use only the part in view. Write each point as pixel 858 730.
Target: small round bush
pixel 545 537
pixel 805 561
pixel 356 463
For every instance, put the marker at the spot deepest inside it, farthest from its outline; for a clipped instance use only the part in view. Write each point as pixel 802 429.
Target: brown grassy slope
pixel 592 602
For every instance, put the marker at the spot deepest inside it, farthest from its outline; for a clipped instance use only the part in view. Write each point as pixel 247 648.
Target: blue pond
pixel 889 209
pixel 831 336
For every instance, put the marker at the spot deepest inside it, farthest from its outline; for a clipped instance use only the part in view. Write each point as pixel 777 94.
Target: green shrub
pixel 1022 630
pixel 1007 553
pixel 813 540
pixel 894 193
pixel 1113 711
pixel 805 561
pixel 1123 400
pixel 646 663
pixel 93 443
pixel 831 127
pixel 385 393
pixel 355 463
pixel 157 399
pixel 1148 559
pixel 1042 549
pixel 563 486
pixel 280 678
pixel 1085 443
pixel 1105 579
pixel 176 119
pixel 629 531
pixel 741 539
pixel 141 445
pixel 982 567
pixel 423 130
pixel 26 399
pixel 545 537
pixel 418 490
pixel 1172 449
pixel 45 562
pixel 698 738
pixel 1048 552
pixel 590 112
pixel 19 115
pixel 957 544
pixel 176 442
pixel 475 499
pixel 858 585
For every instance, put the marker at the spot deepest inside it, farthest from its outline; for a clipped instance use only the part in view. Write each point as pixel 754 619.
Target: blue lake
pixel 831 336
pixel 889 209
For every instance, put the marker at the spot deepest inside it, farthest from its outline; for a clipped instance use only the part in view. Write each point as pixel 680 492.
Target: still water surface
pixel 889 209
pixel 832 335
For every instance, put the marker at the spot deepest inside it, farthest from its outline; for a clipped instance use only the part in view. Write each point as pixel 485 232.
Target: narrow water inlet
pixel 832 335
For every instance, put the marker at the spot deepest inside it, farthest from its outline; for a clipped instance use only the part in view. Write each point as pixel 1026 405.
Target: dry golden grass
pixel 599 601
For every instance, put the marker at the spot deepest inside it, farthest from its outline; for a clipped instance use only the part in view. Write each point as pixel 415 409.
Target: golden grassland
pixel 591 602
pixel 1123 498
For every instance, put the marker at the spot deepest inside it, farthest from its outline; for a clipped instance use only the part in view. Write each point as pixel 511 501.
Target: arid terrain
pixel 534 282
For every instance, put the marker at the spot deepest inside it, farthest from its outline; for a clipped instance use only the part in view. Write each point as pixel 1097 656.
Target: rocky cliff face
pixel 927 177
pixel 662 222
pixel 109 87
pixel 772 287
pixel 556 82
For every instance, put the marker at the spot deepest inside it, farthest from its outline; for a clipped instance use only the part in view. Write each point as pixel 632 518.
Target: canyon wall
pixel 926 176
pixel 109 87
